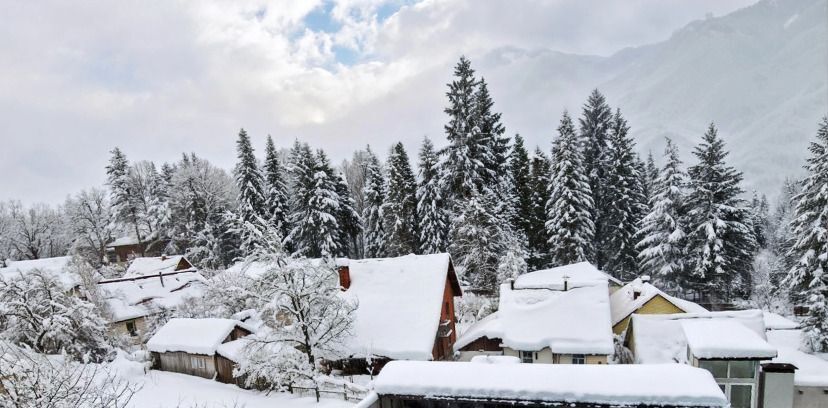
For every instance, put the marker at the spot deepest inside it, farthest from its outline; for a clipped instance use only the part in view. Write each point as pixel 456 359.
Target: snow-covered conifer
pixel 477 241
pixel 595 125
pixel 314 205
pixel 349 220
pixel 400 206
pixel 431 211
pixel 124 209
pixel 375 193
pixel 249 181
pixel 521 177
pixel 276 188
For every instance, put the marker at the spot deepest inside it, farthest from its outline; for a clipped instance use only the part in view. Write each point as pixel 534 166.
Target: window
pixel 526 357
pixel 742 369
pixel 736 378
pixel 578 359
pixel 716 367
pixel 740 395
pixel 130 326
pixel 197 363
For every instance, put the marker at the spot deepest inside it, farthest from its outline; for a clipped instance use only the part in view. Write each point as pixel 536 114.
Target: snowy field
pixel 160 389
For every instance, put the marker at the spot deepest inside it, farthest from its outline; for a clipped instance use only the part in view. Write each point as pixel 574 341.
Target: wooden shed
pixel 189 346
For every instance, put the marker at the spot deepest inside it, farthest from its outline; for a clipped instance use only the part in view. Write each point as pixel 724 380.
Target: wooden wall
pixel 181 362
pixel 657 305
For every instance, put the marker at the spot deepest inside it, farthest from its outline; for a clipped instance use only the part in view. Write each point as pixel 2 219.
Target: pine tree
pixel 521 173
pixel 375 192
pixel 595 125
pixel 569 210
pixel 315 231
pixel 808 276
pixel 125 212
pixel 349 220
pixel 760 218
pixel 720 243
pixel 477 242
pixel 431 212
pixel 400 206
pixel 662 244
pixel 651 175
pixel 464 163
pixel 250 183
pixel 492 146
pixel 276 200
pixel 626 193
pixel 537 237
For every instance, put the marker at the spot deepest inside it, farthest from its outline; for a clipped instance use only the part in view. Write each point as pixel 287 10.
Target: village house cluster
pixel 571 335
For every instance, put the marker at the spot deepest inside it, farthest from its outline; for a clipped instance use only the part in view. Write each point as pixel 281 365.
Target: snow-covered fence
pixel 346 391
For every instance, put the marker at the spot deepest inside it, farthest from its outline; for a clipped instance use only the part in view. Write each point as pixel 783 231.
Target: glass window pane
pixel 742 369
pixel 717 368
pixel 740 396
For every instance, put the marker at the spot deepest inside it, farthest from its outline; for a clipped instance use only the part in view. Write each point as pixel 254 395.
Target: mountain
pixel 760 73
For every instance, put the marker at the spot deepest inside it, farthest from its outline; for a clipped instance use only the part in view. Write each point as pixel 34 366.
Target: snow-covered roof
pixel 615 385
pixel 194 336
pixel 774 321
pixel 624 303
pixel 661 339
pixel 154 265
pixel 136 297
pixel 232 349
pixel 576 321
pixel 718 338
pixel 128 240
pixel 399 303
pixel 57 267
pixel 485 359
pixel 812 371
pixel 577 275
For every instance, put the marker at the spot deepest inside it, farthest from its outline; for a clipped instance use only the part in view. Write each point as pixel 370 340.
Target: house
pixel 811 377
pixel 640 296
pixel 732 346
pixel 405 309
pixel 465 384
pixel 557 316
pixel 130 301
pixel 146 266
pixel 189 346
pixel 57 267
pixel 125 248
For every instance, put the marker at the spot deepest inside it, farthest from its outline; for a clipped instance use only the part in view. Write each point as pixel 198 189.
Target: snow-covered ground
pixel 160 389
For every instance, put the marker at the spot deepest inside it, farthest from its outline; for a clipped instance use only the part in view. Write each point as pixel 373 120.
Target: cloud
pixel 158 78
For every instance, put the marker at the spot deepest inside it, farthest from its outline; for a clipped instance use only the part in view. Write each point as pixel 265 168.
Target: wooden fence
pixel 347 394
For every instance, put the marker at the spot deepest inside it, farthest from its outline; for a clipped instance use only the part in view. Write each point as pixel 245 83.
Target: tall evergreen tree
pixel 538 239
pixel 651 175
pixel 760 218
pixel 276 199
pixel 315 231
pixel 251 199
pixel 569 209
pixel 375 193
pixel 477 241
pixel 492 146
pixel 808 276
pixel 625 191
pixel 521 175
pixel 125 210
pixel 595 125
pixel 721 245
pixel 349 220
pixel 400 206
pixel 431 212
pixel 662 244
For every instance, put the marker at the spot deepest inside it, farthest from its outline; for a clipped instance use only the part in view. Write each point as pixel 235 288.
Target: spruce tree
pixel 431 211
pixel 251 198
pixel 125 211
pixel 651 175
pixel 720 243
pixel 595 125
pixel 520 172
pixel 477 242
pixel 375 192
pixel 569 210
pixel 276 199
pixel 540 178
pixel 662 244
pixel 492 146
pixel 625 191
pixel 400 206
pixel 808 277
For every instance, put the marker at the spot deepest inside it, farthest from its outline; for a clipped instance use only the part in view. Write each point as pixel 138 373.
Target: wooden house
pixel 553 316
pixel 157 265
pixel 415 384
pixel 189 346
pixel 124 249
pixel 405 309
pixel 641 297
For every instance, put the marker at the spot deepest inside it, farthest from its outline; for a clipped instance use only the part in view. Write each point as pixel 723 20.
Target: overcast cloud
pixel 157 78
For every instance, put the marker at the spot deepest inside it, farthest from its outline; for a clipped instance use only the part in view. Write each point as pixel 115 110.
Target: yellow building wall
pixel 657 305
pixel 119 329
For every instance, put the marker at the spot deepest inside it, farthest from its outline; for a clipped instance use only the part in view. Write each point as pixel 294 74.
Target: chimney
pixel 344 277
pixel 512 283
pixel 163 257
pixel 636 292
pixel 566 283
pixel 645 278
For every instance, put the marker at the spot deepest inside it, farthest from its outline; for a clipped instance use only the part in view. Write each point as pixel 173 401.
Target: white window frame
pixel 581 357
pixel 727 381
pixel 524 354
pixel 197 363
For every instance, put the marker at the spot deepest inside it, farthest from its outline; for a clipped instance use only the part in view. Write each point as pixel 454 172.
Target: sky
pixel 160 77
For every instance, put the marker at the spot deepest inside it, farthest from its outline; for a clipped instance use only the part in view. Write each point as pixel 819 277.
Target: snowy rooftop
pixel 194 336
pixel 57 267
pixel 719 338
pixel 123 241
pixel 137 297
pixel 623 302
pixel 232 350
pixel 661 339
pixel 399 303
pixel 155 265
pixel 775 321
pixel 576 321
pixel 627 385
pixel 577 275
pixel 812 371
